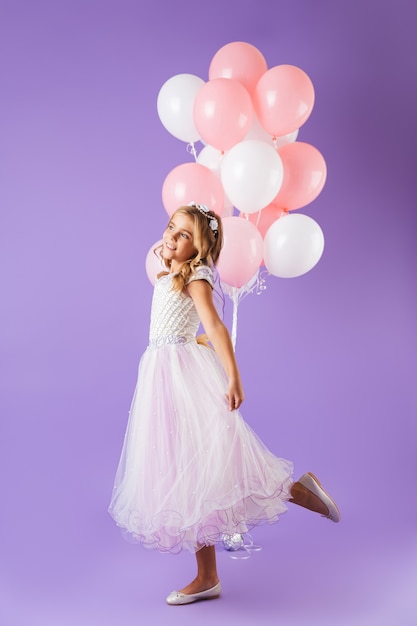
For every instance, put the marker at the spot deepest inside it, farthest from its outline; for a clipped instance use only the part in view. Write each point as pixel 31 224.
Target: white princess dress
pixel 190 470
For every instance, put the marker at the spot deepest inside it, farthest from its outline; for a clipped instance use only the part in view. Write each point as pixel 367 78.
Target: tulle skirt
pixel 191 470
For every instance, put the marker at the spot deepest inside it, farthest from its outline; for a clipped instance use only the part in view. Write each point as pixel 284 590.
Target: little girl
pixel 191 470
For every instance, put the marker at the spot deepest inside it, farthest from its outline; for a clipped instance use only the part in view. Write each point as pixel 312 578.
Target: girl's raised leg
pixel 309 493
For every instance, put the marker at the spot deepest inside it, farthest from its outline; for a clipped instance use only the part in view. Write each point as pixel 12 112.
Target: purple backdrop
pixel 328 359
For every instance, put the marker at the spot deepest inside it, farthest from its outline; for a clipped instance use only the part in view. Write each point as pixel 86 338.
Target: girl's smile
pixel 178 241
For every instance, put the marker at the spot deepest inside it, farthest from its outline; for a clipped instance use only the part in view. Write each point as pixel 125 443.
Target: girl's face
pixel 178 244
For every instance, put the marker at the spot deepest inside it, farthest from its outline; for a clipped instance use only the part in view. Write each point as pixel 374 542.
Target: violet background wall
pixel 328 359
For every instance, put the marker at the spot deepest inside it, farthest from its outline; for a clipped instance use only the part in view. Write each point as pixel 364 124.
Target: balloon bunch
pixel 251 169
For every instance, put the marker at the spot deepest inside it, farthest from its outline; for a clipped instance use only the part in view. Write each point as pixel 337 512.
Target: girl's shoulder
pixel 202 272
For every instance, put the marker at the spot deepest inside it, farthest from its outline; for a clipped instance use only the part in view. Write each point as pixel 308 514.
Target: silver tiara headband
pixel 213 223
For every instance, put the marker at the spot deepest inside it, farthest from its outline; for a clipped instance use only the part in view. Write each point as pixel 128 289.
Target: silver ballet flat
pixel 312 483
pixel 176 597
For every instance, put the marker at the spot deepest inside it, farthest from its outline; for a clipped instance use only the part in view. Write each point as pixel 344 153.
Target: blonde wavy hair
pixel 207 242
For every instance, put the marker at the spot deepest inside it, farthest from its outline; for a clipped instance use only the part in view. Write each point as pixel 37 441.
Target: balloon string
pixel 191 150
pixel 246 217
pixel 261 286
pixel 235 300
pixel 245 550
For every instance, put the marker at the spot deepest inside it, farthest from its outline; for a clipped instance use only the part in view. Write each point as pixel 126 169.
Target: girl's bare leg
pixel 207 576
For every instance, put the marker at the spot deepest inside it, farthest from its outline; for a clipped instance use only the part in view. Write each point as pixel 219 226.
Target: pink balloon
pixel 153 263
pixel 223 112
pixel 192 182
pixel 240 61
pixel 305 173
pixel 242 252
pixel 283 99
pixel 264 218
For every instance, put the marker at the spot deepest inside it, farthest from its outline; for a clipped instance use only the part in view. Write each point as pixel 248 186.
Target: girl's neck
pixel 174 268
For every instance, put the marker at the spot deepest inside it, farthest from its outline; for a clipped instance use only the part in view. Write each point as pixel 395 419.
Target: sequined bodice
pixel 174 318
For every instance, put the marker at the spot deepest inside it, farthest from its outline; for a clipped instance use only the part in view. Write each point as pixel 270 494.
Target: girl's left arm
pixel 202 295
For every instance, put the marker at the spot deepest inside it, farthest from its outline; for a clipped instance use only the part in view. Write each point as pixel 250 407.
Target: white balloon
pixel 211 158
pixel 175 106
pixel 251 174
pixel 292 246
